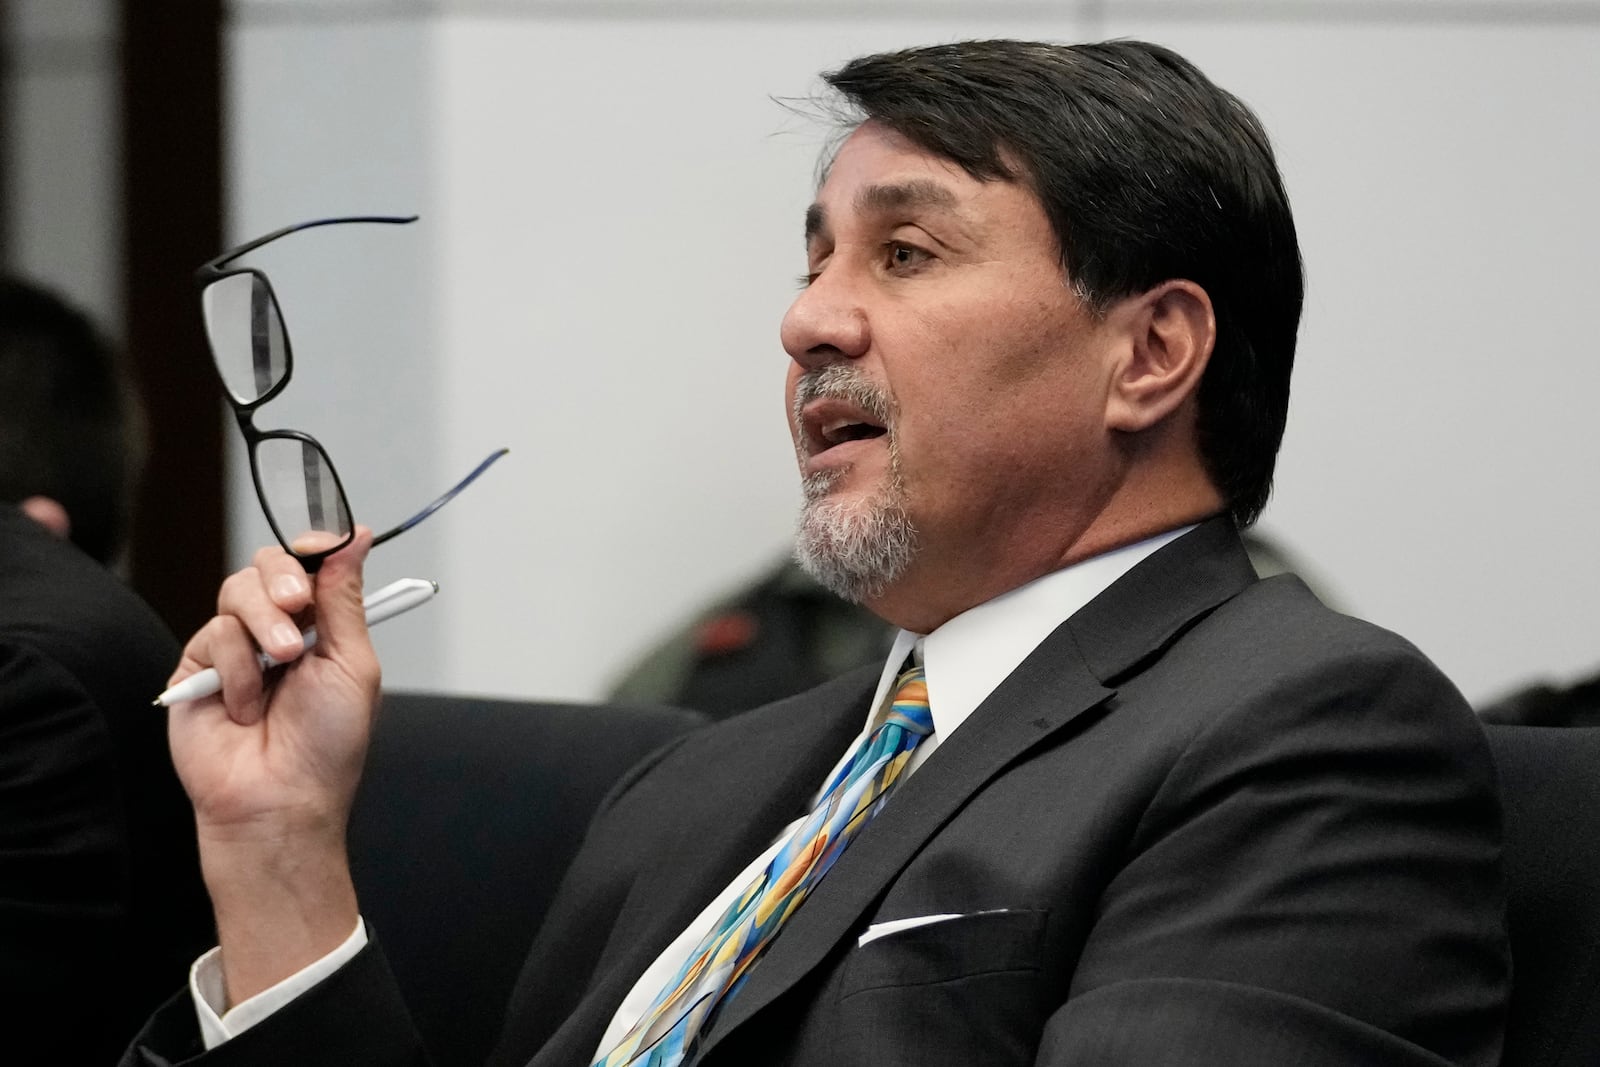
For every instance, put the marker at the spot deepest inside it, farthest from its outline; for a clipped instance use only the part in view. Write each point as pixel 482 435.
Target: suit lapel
pixel 1068 674
pixel 1004 727
pixel 753 782
pixel 1148 608
pixel 753 775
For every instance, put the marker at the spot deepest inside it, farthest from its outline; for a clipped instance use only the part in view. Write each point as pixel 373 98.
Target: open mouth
pixel 838 433
pixel 832 422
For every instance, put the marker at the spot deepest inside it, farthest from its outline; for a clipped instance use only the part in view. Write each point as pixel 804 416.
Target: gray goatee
pixel 855 550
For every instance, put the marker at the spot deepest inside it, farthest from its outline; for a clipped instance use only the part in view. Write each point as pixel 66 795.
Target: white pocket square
pixel 894 926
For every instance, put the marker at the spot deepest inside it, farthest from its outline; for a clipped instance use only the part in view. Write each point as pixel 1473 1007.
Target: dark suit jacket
pixel 101 904
pixel 1206 822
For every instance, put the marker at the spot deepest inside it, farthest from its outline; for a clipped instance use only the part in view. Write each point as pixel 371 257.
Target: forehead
pixel 873 147
pixel 878 173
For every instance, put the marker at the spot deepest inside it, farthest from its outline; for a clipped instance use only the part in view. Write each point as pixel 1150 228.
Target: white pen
pixel 393 599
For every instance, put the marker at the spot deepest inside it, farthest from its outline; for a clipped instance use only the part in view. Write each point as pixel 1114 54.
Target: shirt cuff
pixel 206 990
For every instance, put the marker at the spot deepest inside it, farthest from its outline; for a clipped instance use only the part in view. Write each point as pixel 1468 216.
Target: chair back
pixel 1550 786
pixel 469 812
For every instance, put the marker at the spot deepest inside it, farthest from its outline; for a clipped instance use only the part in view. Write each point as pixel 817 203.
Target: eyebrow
pixel 879 199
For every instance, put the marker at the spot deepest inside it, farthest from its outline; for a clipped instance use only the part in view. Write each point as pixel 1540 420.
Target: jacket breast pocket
pixel 958 990
pixel 948 949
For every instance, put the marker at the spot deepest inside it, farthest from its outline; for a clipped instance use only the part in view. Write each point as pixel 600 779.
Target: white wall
pixel 611 224
pixel 63 210
pixel 337 119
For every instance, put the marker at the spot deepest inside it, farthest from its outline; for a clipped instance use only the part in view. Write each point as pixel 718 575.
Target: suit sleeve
pixel 353 1018
pixel 64 902
pixel 1317 881
pixel 67 949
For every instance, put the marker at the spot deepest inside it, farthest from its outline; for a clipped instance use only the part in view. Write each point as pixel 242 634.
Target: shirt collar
pixel 968 657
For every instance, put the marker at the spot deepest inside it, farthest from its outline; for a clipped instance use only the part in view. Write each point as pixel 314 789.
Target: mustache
pixel 842 381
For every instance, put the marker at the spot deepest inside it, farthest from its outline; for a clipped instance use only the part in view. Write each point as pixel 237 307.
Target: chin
pixel 855 546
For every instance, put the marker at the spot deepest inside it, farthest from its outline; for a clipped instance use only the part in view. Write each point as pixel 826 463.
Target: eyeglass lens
pixel 246 333
pixel 248 342
pixel 250 346
pixel 300 490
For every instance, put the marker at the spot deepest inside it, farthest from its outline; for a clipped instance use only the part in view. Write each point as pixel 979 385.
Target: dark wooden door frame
pixel 172 197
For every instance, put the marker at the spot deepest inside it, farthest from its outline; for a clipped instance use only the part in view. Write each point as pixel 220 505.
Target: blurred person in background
pixel 785 632
pixel 100 892
pixel 1547 703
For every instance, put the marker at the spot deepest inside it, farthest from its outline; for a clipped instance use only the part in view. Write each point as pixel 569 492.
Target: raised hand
pixel 271 762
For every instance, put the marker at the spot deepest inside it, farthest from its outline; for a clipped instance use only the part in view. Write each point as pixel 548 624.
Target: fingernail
pixel 286 636
pixel 287 586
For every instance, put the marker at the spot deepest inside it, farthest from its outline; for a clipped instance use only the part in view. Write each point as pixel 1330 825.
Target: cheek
pixel 982 433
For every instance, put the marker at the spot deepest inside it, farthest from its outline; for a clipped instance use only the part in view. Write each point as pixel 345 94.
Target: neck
pixel 939 585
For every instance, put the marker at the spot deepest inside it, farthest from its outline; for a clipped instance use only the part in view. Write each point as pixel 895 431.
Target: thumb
pixel 341 619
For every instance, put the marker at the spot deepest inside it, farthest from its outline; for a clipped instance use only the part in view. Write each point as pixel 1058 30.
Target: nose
pixel 825 324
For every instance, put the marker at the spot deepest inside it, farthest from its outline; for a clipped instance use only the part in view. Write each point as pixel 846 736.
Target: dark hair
pixel 70 428
pixel 1147 172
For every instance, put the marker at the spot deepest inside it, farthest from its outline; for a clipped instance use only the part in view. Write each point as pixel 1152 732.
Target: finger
pixel 243 686
pixel 285 579
pixel 313 541
pixel 244 596
pixel 341 619
pixel 225 644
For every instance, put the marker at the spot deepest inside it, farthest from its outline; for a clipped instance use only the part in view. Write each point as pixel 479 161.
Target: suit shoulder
pixel 1278 626
pixel 1273 669
pixel 831 712
pixel 68 608
pixel 803 734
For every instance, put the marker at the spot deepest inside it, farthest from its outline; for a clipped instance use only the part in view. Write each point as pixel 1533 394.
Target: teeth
pixel 831 431
pixel 844 428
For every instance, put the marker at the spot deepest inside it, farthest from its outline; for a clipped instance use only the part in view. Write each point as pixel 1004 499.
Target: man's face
pixel 947 389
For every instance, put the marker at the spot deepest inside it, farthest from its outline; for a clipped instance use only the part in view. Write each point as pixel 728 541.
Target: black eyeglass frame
pixel 211 272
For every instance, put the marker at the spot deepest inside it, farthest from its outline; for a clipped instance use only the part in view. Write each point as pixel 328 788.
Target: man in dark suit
pixel 100 892
pixel 1167 813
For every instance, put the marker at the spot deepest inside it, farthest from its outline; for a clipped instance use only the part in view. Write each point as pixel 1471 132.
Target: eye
pixel 903 257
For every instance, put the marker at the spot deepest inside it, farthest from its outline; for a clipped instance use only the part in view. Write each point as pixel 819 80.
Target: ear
pixel 47 513
pixel 1169 332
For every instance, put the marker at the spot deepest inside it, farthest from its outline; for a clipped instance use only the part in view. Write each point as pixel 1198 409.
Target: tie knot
pixel 908 707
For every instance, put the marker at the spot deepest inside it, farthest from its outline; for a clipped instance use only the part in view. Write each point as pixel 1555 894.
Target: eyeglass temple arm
pixel 445 498
pixel 211 266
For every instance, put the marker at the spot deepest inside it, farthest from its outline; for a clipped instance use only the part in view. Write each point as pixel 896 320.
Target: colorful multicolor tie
pixel 720 962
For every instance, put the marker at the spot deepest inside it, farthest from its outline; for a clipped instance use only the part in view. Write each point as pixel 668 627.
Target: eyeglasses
pixel 297 485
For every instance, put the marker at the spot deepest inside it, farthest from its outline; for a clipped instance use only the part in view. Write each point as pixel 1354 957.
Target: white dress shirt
pixel 966 659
